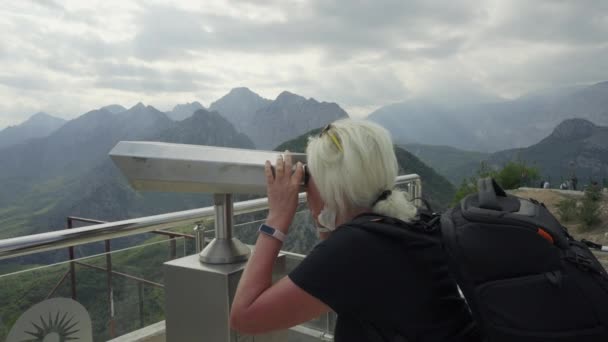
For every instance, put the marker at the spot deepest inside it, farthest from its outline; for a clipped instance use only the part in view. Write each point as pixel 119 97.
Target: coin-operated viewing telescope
pixel 156 166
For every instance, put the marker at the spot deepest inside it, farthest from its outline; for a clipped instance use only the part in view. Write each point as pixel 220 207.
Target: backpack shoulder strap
pixel 426 223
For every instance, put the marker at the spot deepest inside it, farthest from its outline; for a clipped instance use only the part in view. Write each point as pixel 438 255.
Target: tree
pixel 511 176
pixel 516 174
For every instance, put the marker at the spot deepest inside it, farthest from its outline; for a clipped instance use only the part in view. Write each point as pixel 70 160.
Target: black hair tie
pixel 384 195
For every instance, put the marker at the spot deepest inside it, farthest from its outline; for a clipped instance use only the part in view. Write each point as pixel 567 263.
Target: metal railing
pixel 36 243
pixel 100 231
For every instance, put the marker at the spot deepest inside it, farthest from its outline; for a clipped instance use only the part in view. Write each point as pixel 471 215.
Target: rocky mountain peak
pixel 183 111
pixel 287 98
pixel 138 106
pixel 574 129
pixel 239 106
pixel 39 116
pixel 240 91
pixel 239 95
pixel 114 108
pixel 36 126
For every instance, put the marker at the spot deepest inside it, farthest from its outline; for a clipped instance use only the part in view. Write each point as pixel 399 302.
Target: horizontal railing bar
pixel 85 220
pixel 173 234
pixel 128 276
pixel 36 243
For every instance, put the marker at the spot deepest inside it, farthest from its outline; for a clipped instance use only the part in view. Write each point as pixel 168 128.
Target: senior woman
pixel 382 288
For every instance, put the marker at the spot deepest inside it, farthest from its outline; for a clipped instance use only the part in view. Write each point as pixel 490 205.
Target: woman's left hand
pixel 282 188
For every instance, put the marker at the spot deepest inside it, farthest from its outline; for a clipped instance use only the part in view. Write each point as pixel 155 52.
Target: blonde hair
pixel 353 162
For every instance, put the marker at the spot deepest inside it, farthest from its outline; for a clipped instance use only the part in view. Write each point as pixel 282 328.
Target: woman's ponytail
pixel 395 203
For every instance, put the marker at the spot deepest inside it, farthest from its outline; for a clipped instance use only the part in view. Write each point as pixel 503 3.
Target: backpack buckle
pixel 581 261
pixel 431 225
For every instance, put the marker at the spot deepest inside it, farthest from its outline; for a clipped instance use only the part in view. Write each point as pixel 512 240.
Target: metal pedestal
pixel 198 298
pixel 224 249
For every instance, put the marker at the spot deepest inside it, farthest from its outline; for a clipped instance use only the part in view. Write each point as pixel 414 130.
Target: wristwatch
pixel 323 229
pixel 275 233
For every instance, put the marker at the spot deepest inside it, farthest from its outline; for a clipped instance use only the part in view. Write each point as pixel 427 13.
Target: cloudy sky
pixel 67 57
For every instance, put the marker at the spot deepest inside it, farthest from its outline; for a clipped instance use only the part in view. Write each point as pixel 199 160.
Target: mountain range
pixel 493 126
pixel 575 146
pixel 452 163
pixel 239 105
pixel 68 172
pixel 38 125
pixel 269 123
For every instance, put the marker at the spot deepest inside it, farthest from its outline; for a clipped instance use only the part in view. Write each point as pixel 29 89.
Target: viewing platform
pixel 142 279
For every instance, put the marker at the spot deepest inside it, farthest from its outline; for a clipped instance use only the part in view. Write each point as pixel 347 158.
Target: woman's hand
pixel 282 188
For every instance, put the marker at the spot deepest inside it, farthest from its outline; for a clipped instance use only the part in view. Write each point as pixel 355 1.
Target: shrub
pixel 593 192
pixel 516 174
pixel 566 209
pixel 509 177
pixel 589 213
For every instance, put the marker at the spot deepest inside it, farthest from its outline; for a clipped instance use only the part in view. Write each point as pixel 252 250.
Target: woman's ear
pixel 313 198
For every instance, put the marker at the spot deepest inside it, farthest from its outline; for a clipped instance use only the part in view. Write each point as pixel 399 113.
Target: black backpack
pixel 524 277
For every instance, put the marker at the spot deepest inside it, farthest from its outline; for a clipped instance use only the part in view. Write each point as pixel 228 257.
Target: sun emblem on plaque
pixel 53 320
pixel 60 328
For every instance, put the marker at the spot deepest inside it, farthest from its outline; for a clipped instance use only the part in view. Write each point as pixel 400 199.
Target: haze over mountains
pixel 69 172
pixel 575 146
pixel 37 126
pixel 269 123
pixel 184 111
pixel 238 106
pixel 66 170
pixel 494 126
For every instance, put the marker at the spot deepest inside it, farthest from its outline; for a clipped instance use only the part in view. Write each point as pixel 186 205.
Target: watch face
pixel 266 229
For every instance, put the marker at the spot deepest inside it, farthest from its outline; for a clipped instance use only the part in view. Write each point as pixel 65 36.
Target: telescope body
pixel 166 167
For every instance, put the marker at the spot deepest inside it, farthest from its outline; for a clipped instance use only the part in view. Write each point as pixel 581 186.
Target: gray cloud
pixel 145 86
pixel 25 82
pixel 571 67
pixel 361 54
pixel 49 4
pixel 340 28
pixel 566 22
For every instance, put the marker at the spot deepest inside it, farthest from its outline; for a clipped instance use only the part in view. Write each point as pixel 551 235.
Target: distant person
pixel 524 178
pixel 574 182
pixel 542 184
pixel 383 288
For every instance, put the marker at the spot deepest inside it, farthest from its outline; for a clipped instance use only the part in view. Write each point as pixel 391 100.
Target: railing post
pixel 140 293
pixel 72 265
pixel 172 247
pixel 418 187
pixel 199 237
pixel 110 290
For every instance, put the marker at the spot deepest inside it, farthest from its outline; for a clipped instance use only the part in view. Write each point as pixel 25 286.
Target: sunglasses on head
pixel 334 138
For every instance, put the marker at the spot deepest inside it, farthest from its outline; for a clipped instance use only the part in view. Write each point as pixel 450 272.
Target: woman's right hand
pixel 283 188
